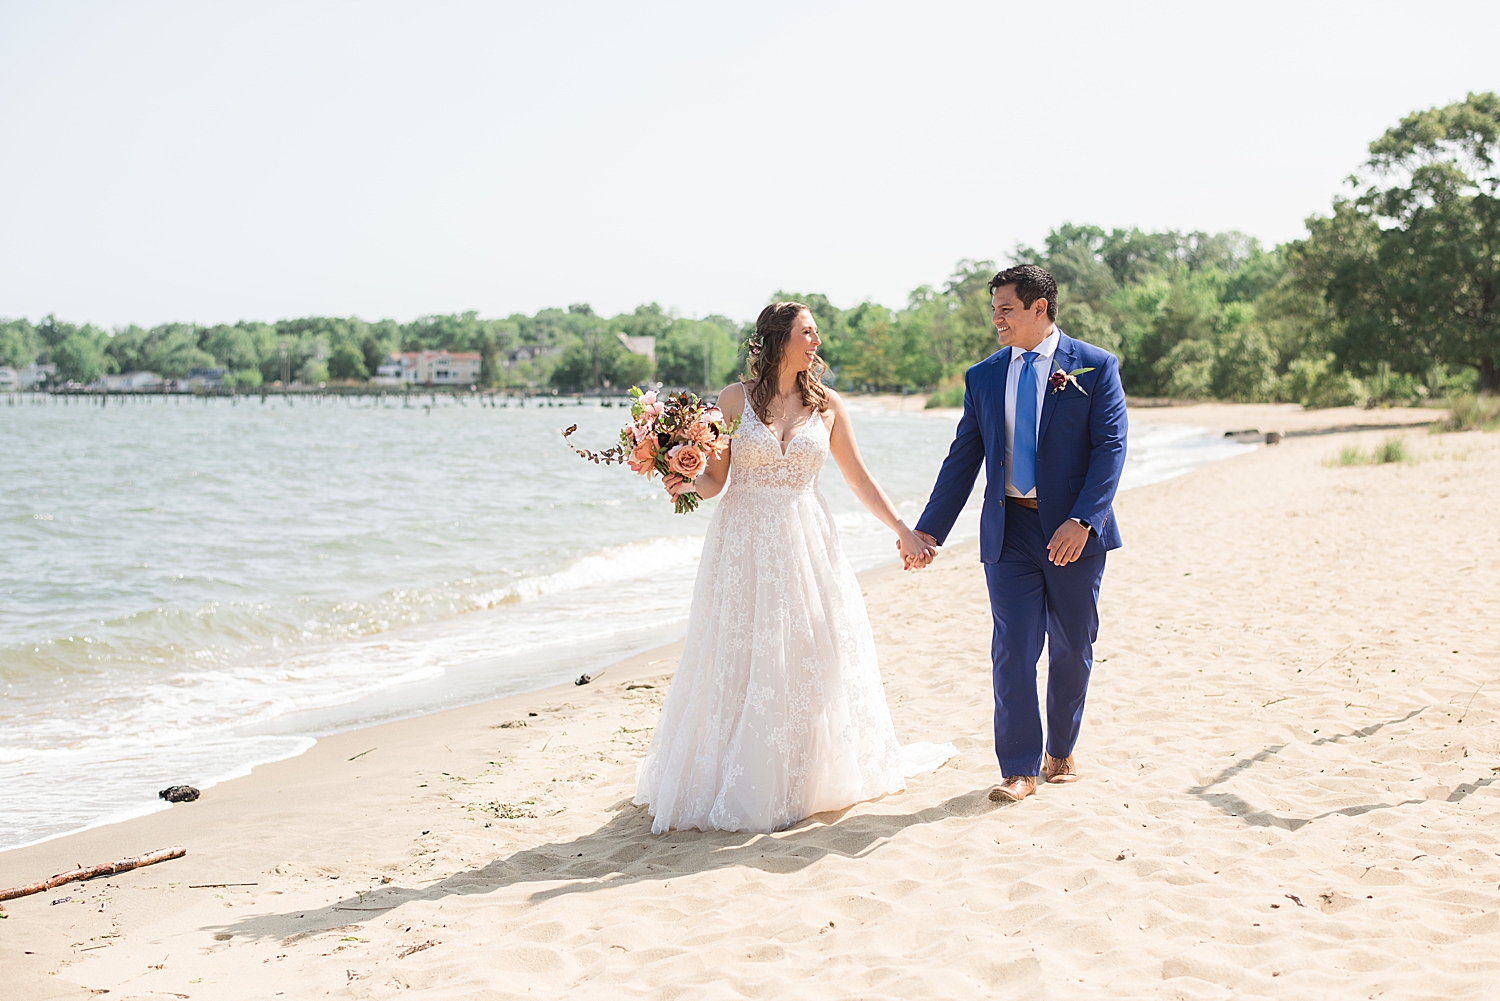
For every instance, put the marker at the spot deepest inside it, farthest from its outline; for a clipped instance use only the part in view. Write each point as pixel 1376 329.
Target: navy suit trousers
pixel 1033 601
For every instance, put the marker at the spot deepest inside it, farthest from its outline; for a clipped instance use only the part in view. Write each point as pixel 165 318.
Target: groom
pixel 1046 416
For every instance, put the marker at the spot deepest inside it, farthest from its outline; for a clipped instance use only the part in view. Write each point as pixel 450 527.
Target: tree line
pixel 572 348
pixel 1389 298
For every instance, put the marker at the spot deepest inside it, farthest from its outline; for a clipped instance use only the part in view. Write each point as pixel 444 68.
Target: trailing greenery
pixel 1393 298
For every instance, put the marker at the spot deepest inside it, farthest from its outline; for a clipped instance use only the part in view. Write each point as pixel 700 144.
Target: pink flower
pixel 639 432
pixel 686 461
pixel 650 406
pixel 699 432
pixel 713 414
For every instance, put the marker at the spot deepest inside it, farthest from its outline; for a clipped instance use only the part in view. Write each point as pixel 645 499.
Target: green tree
pixel 244 377
pixel 53 332
pixel 489 366
pixel 171 351
pixel 237 347
pixel 596 360
pixel 873 354
pixel 19 343
pixel 1244 365
pixel 697 352
pixel 80 356
pixel 314 371
pixel 347 361
pixel 373 351
pixel 1411 265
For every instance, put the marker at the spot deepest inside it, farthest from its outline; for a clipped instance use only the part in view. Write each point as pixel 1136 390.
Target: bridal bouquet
pixel 674 436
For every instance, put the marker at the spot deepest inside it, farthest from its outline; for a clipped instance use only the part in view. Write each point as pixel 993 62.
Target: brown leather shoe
pixel 1059 769
pixel 1014 788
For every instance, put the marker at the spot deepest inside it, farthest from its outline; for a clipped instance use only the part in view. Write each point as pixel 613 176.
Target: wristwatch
pixel 1086 526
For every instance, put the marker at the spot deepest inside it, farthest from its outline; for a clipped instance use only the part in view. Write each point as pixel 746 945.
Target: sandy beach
pixel 1290 789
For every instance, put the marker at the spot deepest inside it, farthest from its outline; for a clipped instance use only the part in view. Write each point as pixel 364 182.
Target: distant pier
pixel 375 396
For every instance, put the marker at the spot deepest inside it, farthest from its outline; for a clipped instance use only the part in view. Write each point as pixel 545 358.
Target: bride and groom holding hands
pixel 777 711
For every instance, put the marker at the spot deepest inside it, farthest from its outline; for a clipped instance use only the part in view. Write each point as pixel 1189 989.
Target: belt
pixel 1023 501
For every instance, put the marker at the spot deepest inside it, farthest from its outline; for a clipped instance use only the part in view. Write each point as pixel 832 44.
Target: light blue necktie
pixel 1023 462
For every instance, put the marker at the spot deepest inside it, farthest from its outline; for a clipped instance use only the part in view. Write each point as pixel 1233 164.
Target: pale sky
pixel 213 162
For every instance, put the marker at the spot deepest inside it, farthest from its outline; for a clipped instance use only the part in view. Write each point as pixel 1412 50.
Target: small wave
pixel 227 634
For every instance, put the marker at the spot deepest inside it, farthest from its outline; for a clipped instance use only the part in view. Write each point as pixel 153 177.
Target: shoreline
pixel 305 724
pixel 1290 780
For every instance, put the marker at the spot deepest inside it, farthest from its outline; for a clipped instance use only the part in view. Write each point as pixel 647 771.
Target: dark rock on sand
pixel 179 794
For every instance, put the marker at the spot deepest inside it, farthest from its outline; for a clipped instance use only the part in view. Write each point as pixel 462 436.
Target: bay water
pixel 190 587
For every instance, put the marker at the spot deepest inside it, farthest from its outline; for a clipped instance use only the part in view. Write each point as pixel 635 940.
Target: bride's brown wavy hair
pixel 773 328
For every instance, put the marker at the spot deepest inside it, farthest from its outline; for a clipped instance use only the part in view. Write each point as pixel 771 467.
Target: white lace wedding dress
pixel 776 711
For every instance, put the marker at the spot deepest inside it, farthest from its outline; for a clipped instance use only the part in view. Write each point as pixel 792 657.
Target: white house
pixel 529 352
pixel 448 368
pixel 28 376
pixel 199 376
pixel 396 370
pixel 429 368
pixel 9 382
pixel 128 381
pixel 638 345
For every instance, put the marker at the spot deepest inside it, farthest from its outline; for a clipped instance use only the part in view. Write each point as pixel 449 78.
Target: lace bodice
pixel 756 461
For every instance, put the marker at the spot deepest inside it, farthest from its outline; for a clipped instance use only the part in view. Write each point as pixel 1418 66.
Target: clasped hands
pixel 1066 546
pixel 916 548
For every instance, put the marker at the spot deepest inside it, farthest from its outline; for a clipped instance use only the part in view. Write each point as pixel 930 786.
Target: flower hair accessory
pixel 1060 380
pixel 755 343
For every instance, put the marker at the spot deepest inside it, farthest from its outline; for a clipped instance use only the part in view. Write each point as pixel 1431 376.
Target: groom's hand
pixel 1067 543
pixel 916 559
pixel 928 553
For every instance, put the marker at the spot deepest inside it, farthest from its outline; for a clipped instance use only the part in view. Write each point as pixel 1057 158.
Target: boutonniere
pixel 1061 380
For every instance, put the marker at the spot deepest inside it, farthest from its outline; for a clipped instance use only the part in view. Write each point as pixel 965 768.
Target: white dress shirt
pixel 1041 368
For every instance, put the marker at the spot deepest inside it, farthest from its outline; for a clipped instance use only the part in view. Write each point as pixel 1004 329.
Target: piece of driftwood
pixel 93 872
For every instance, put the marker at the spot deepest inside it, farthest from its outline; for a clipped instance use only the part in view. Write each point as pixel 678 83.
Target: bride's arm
pixel 846 453
pixel 716 474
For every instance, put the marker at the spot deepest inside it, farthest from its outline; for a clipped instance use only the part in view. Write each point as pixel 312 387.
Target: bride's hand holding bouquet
pixel 675 436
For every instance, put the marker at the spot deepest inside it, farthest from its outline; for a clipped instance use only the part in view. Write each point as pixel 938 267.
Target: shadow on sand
pixel 1236 807
pixel 623 852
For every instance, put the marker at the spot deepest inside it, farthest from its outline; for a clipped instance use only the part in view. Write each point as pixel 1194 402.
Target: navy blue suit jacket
pixel 1080 451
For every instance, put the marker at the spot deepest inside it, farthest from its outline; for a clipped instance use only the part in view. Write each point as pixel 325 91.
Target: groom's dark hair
pixel 1032 283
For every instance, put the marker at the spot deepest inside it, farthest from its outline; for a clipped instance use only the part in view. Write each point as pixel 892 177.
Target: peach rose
pixel 686 461
pixel 643 459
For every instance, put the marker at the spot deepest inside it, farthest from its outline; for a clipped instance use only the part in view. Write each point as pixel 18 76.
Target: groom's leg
pixel 1018 602
pixel 1072 627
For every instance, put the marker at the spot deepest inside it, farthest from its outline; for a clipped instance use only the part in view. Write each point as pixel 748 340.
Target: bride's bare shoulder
pixel 835 409
pixel 732 400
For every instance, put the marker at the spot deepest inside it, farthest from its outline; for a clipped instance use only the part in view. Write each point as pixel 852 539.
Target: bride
pixel 777 711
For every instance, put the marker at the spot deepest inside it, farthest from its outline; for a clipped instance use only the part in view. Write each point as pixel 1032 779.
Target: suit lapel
pixel 1063 358
pixel 1003 370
